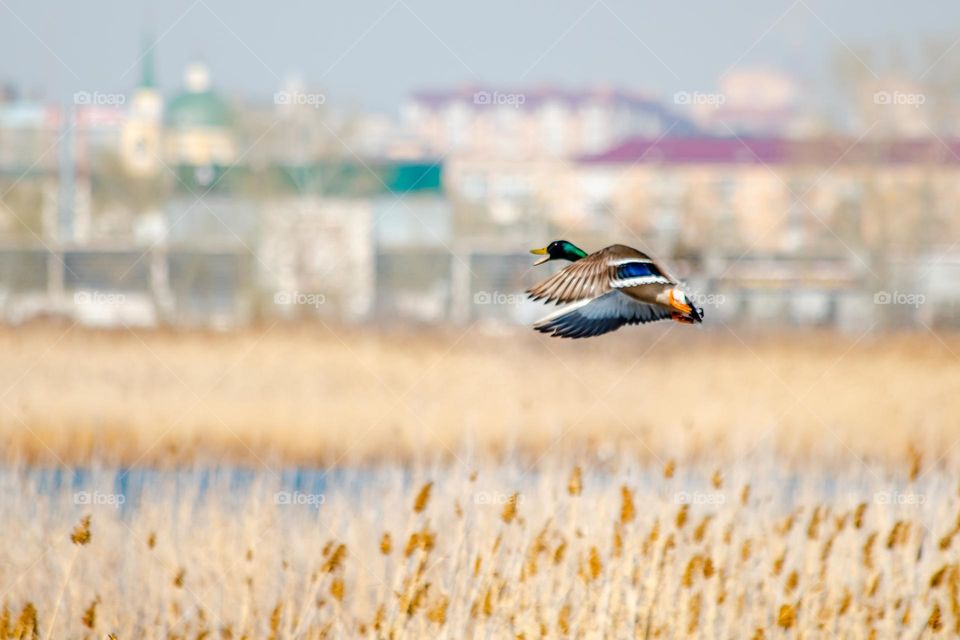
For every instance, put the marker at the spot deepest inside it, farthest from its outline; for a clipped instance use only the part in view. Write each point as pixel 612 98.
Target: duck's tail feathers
pixel 684 309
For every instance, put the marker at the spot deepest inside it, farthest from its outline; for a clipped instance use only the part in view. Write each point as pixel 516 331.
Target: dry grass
pixel 661 483
pixel 485 551
pixel 314 395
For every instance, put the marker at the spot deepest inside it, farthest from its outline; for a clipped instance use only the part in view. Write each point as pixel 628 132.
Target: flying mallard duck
pixel 605 290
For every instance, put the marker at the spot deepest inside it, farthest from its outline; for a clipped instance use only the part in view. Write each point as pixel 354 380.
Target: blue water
pixel 128 487
pixel 238 485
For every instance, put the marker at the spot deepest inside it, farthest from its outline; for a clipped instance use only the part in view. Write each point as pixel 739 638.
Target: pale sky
pixel 374 52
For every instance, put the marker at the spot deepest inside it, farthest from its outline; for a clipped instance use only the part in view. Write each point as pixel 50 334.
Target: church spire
pixel 148 65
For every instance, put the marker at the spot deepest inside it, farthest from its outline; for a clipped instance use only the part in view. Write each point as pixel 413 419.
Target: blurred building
pixel 807 230
pixel 801 196
pixel 28 128
pixel 899 106
pixel 316 258
pixel 753 102
pixel 141 147
pixel 532 123
pixel 356 242
pixel 198 127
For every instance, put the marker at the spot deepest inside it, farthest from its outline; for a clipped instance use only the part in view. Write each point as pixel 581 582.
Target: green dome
pixel 197 109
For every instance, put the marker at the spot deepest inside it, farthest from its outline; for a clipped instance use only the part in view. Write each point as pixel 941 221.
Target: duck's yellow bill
pixel 540 252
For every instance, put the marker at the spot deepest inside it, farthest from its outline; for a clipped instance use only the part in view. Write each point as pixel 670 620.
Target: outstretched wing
pixel 593 317
pixel 612 268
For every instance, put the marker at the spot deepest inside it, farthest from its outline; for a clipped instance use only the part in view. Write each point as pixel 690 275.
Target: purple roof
pixel 753 150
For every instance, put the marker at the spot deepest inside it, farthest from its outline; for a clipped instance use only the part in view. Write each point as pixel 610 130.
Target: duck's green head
pixel 559 250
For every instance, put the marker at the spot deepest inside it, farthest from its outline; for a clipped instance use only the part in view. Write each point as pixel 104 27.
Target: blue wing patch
pixel 631 274
pixel 636 270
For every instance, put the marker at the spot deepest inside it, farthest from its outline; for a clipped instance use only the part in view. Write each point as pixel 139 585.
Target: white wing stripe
pixel 634 282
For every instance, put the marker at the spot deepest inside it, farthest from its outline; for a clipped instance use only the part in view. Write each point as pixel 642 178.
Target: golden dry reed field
pixel 311 482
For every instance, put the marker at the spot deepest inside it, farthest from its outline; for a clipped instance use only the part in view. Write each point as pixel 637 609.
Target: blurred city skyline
pixel 255 50
pixel 216 165
pixel 271 368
